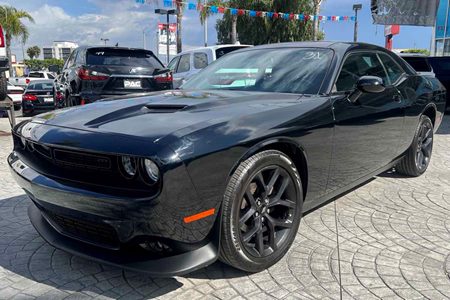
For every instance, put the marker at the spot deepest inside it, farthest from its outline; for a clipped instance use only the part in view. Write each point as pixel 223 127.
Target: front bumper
pixel 50 197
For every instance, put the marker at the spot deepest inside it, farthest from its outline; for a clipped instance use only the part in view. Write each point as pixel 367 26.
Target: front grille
pixel 81 159
pixel 99 234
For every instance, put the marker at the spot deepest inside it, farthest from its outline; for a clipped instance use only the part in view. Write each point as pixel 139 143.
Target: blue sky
pixel 123 21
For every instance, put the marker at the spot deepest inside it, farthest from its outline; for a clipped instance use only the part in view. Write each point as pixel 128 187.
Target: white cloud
pixel 121 21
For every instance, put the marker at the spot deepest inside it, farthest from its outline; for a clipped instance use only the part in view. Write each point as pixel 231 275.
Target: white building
pixel 59 50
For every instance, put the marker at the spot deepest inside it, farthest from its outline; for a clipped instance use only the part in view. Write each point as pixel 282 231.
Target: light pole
pixel 104 40
pixel 167 12
pixel 356 7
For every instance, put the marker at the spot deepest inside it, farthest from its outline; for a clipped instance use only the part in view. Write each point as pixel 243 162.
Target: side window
pixel 200 60
pixel 50 76
pixel 70 60
pixel 357 65
pixel 81 58
pixel 173 64
pixel 392 68
pixel 184 64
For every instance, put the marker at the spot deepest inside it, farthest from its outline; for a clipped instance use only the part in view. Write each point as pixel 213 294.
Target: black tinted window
pixel 357 65
pixel 441 65
pixel 222 51
pixel 122 57
pixel 200 60
pixel 50 76
pixel 420 64
pixel 392 68
pixel 36 75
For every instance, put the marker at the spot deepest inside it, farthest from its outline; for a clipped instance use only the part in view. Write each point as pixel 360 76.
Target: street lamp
pixel 104 40
pixel 356 7
pixel 167 12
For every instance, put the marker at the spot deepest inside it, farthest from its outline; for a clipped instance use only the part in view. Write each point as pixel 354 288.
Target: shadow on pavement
pixel 25 254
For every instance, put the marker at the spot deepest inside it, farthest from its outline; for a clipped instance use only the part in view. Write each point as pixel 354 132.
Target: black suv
pixel 93 73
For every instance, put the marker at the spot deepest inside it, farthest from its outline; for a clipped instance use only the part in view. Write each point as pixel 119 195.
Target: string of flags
pixel 252 13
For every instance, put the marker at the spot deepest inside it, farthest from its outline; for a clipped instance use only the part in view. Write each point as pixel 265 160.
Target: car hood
pixel 159 114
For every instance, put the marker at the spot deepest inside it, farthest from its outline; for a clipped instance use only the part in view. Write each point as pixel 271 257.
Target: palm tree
pixel 316 7
pixel 180 8
pixel 11 21
pixel 205 13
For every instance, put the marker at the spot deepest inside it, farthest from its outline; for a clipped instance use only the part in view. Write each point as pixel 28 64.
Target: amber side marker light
pixel 199 216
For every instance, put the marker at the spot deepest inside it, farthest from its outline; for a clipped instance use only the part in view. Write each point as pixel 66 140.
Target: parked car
pixel 4 65
pixel 93 73
pixel 32 76
pixel 441 67
pixel 419 62
pixel 168 182
pixel 15 94
pixel 38 97
pixel 188 63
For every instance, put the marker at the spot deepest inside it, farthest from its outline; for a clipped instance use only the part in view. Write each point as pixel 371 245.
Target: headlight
pixel 129 165
pixel 152 169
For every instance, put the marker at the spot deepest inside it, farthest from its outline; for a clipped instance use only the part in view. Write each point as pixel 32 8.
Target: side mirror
pixel 367 84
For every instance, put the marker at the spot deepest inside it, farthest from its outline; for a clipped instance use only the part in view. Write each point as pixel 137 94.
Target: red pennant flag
pixel 221 10
pixel 291 16
pixel 306 17
pixel 346 18
pixel 241 12
pixel 320 18
pixel 259 13
pixel 333 18
pixel 200 7
pixel 275 15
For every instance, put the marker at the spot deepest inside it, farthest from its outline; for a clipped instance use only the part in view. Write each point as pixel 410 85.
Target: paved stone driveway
pixel 394 235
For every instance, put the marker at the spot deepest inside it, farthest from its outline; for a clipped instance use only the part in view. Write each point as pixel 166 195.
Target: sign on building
pixel 162 39
pixel 404 12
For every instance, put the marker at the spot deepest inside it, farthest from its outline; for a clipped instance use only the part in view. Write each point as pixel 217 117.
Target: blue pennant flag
pixel 301 17
pixel 252 13
pixel 269 15
pixel 353 18
pixel 214 9
pixel 234 11
pixel 286 16
pixel 192 6
pixel 168 3
pixel 329 18
pixel 140 1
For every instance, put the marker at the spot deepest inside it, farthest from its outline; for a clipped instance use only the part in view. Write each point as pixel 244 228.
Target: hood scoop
pixel 163 108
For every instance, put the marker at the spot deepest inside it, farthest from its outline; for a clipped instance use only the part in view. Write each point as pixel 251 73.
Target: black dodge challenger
pixel 168 182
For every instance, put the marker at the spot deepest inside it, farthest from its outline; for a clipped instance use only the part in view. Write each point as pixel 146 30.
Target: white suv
pixel 190 62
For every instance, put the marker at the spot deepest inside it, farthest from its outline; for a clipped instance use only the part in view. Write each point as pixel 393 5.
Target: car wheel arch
pixel 292 149
pixel 430 111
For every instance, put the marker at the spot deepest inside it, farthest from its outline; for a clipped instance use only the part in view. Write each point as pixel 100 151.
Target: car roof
pixel 87 47
pixel 215 47
pixel 412 55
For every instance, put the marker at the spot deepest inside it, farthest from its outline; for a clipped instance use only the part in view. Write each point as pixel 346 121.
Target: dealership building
pixel 442 29
pixel 59 50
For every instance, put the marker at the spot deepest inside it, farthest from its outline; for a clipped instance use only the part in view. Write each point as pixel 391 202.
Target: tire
pixel 418 156
pixel 3 86
pixel 241 218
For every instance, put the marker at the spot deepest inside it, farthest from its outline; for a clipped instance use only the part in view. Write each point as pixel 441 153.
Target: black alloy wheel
pixel 261 211
pixel 418 156
pixel 266 211
pixel 424 146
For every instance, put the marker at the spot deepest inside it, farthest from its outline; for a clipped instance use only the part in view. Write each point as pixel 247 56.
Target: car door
pixel 366 133
pixel 67 74
pixel 182 70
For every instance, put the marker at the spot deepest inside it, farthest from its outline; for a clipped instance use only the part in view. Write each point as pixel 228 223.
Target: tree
pixel 11 21
pixel 205 13
pixel 316 7
pixel 262 30
pixel 34 52
pixel 180 8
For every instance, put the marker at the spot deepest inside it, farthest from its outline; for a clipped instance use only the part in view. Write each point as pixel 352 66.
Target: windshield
pixel 281 70
pixel 41 86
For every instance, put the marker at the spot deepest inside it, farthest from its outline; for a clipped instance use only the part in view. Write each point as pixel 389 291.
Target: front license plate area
pixel 132 83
